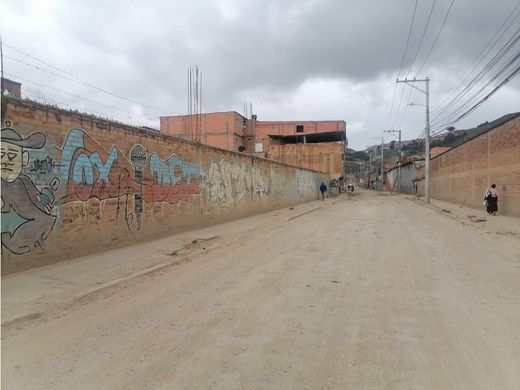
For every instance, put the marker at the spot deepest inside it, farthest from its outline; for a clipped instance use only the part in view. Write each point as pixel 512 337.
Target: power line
pixel 42 61
pixel 503 82
pixel 472 92
pixel 411 66
pixel 405 109
pixel 436 38
pixel 478 59
pixel 408 39
pixel 402 62
pixel 99 114
pixel 413 62
pixel 69 93
pixel 398 107
pixel 480 76
pixel 422 37
pixel 77 80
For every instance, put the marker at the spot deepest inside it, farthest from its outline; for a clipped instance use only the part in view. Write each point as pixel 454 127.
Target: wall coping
pixel 31 104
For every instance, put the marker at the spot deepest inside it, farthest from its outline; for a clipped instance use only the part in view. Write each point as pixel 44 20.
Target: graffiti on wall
pixel 230 182
pixel 282 183
pixel 78 179
pixel 91 171
pixel 174 179
pixel 50 186
pixel 306 184
pixel 27 211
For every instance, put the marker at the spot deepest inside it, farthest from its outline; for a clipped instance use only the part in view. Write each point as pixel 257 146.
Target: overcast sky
pixel 293 59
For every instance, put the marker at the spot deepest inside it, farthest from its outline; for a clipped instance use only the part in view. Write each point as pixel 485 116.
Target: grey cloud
pixel 255 50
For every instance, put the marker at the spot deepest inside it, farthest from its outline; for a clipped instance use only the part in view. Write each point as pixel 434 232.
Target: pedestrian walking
pixel 491 198
pixel 323 189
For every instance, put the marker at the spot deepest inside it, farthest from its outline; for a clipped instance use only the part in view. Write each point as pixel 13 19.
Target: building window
pixel 299 128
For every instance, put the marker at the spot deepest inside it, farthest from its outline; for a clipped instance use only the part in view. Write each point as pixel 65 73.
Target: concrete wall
pixel 407 176
pixel 75 184
pixel 462 174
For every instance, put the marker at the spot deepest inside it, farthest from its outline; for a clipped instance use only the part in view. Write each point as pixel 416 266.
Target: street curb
pixel 22 318
pixel 302 214
pixel 113 283
pixel 182 259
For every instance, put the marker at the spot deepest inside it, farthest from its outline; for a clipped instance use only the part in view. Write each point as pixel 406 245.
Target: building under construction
pixel 317 145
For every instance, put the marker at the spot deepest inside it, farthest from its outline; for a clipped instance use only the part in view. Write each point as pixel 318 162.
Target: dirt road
pixel 375 292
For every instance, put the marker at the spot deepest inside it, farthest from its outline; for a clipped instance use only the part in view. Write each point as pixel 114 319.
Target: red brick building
pixel 317 145
pixel 11 88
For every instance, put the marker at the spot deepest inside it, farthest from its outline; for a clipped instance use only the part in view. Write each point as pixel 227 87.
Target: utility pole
pixel 427 140
pixel 369 184
pixel 398 160
pixel 2 57
pixel 382 165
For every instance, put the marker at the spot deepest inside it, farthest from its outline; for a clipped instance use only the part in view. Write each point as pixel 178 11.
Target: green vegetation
pixel 353 155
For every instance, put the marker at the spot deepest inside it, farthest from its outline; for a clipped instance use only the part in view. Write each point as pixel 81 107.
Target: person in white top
pixel 491 197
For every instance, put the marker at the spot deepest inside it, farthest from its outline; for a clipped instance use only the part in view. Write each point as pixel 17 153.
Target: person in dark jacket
pixel 323 189
pixel 491 197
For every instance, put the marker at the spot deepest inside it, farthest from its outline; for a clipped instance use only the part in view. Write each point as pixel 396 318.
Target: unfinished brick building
pixel 316 145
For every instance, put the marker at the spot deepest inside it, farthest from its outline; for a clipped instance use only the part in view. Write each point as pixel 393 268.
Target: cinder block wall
pixel 80 185
pixel 462 174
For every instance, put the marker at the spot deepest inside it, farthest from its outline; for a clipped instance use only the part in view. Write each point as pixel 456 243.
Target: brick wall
pixel 462 174
pixel 219 129
pixel 74 184
pixel 323 157
pixel 12 88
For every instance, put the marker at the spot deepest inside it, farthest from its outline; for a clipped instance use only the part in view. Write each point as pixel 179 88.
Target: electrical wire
pixel 408 39
pixel 402 63
pixel 68 93
pixel 411 67
pixel 101 115
pixel 71 77
pixel 437 37
pixel 422 37
pixel 41 61
pixel 413 63
pixel 405 109
pixel 503 82
pixel 484 84
pixel 471 93
pixel 479 58
pixel 479 78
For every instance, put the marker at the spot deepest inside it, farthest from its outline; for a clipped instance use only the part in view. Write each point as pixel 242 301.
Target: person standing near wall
pixel 491 197
pixel 323 189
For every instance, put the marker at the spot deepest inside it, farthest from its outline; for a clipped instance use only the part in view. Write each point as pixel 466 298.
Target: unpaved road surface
pixel 375 292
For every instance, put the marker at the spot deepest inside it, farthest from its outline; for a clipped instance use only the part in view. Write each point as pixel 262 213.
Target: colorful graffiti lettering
pixel 91 171
pixel 173 179
pixel 91 175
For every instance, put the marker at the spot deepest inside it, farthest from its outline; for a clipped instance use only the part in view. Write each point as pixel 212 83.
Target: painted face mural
pixel 12 161
pixel 26 210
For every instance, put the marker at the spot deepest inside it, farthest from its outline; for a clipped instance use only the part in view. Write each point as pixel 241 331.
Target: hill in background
pixel 450 139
